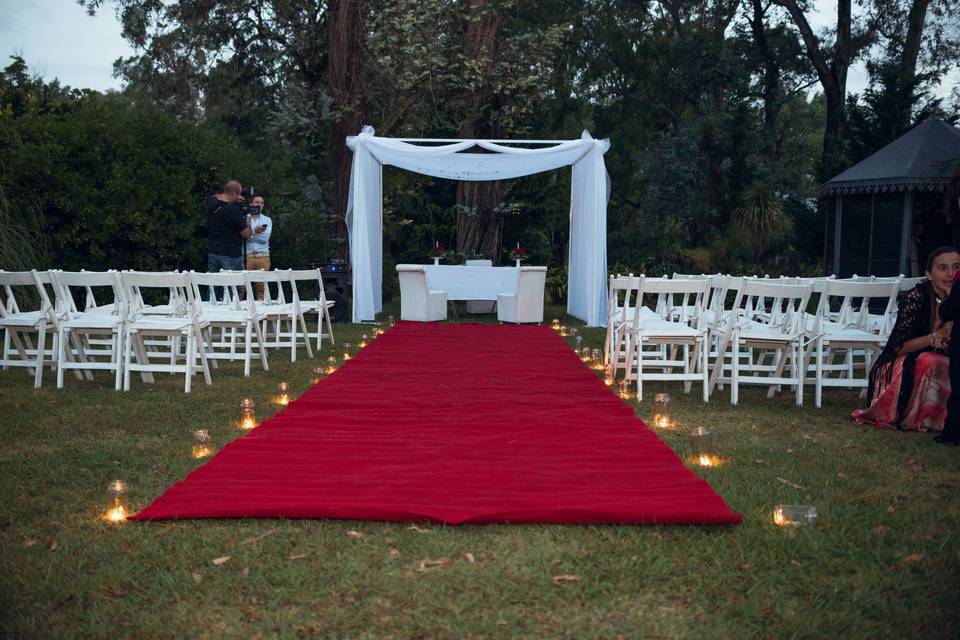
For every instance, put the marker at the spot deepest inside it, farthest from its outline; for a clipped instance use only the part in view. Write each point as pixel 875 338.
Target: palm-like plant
pixel 761 218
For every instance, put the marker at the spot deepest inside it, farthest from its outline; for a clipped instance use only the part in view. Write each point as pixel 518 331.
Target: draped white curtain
pixel 586 289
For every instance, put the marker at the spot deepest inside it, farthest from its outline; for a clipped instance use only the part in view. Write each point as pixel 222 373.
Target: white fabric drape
pixel 588 210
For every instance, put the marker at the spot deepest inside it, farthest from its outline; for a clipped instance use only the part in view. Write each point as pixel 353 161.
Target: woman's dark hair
pixel 936 253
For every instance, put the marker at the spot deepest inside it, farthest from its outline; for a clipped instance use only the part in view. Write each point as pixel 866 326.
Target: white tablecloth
pixel 472 283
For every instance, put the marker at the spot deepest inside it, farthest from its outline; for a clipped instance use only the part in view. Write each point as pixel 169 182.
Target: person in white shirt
pixel 258 245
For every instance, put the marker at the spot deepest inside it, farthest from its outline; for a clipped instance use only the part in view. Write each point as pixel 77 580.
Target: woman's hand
pixel 940 339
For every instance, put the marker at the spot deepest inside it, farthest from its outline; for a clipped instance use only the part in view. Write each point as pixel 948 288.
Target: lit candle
pixel 625 392
pixel 346 351
pixel 202 447
pixel 585 354
pixel 701 447
pixel 787 515
pixel 661 410
pixel 555 324
pixel 331 365
pixel 390 321
pixel 608 376
pixel 597 360
pixel 117 509
pixel 563 330
pixel 248 417
pixel 363 341
pixel 283 395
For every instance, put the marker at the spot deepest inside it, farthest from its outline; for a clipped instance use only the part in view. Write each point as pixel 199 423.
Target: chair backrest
pixel 177 286
pixel 622 298
pixel 848 304
pixel 66 281
pixel 229 283
pixel 25 291
pixel 277 277
pixel 676 300
pixel 531 283
pixel 777 305
pixel 312 276
pixel 909 283
pixel 413 281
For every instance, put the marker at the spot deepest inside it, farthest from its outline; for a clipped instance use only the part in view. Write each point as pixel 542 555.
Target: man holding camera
pixel 258 246
pixel 227 228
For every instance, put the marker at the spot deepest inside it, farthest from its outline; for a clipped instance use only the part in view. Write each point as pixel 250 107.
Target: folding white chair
pixel 317 304
pixel 181 323
pixel 230 315
pixel 26 309
pixel 77 329
pixel 621 303
pixel 767 320
pixel 680 325
pixel 283 314
pixel 849 331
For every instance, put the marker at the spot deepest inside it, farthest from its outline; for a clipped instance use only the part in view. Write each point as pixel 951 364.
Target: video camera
pixel 248 209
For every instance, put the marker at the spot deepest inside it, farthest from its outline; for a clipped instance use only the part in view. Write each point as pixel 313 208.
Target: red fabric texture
pixel 452 423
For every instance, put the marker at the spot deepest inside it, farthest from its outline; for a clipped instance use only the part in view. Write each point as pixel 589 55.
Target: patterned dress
pixel 909 392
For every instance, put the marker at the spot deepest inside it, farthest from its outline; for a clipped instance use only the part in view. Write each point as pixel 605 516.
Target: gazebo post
pixel 906 229
pixel 838 218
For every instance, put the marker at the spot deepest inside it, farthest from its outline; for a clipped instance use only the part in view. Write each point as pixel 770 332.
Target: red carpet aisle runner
pixel 458 424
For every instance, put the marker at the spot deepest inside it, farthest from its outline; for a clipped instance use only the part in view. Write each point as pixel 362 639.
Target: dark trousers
pixel 951 427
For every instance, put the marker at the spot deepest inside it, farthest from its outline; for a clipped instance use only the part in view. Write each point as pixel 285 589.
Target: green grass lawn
pixel 884 561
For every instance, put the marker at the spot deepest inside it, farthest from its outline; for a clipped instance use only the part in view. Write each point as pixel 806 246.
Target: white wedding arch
pixel 590 191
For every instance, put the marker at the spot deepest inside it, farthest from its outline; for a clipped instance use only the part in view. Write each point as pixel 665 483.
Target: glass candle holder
pixel 794 515
pixel 661 410
pixel 346 351
pixel 331 365
pixel 563 331
pixel 574 332
pixel 202 446
pixel 555 324
pixel 117 507
pixel 318 374
pixel 608 376
pixel 248 416
pixel 364 340
pixel 377 329
pixel 585 354
pixel 390 321
pixel 578 341
pixel 625 392
pixel 283 395
pixel 702 450
pixel 597 357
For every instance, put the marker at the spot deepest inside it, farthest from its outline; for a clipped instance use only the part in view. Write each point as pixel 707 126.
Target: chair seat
pixel 93 321
pixel 157 323
pixel 23 319
pixel 233 316
pixel 665 329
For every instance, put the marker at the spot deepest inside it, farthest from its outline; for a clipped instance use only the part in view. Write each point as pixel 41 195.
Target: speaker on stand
pixel 336 287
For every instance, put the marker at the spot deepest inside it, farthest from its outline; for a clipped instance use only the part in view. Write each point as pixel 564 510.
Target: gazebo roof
pixel 925 158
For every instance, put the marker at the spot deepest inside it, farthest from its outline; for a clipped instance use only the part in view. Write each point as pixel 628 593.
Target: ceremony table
pixel 472 282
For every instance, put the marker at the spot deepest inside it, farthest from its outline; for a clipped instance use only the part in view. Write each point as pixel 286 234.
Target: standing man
pixel 227 228
pixel 258 246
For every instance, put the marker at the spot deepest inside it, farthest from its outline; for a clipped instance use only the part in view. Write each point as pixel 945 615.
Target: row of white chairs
pixel 155 322
pixel 719 329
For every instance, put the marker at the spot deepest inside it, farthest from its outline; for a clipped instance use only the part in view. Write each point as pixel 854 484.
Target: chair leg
pixel 41 342
pixel 306 336
pixel 190 359
pixel 735 372
pixel 818 382
pixel 116 357
pixel 127 348
pixel 246 350
pixel 798 375
pixel 61 360
pixel 703 367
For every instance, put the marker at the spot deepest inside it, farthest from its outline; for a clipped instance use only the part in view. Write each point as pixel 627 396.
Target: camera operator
pixel 227 228
pixel 258 246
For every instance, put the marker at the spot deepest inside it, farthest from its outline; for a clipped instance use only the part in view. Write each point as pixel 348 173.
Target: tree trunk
pixel 771 79
pixel 346 89
pixel 832 76
pixel 911 44
pixel 479 225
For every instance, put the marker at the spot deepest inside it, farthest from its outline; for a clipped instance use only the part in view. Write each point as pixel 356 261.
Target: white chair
pixel 317 304
pixel 849 331
pixel 526 303
pixel 33 313
pixel 480 306
pixel 78 329
pixel 767 320
pixel 230 315
pixel 285 315
pixel 417 301
pixel 678 327
pixel 181 323
pixel 621 301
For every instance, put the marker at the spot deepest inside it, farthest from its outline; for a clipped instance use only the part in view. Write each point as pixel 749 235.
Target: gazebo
pixel 891 210
pixel 452 159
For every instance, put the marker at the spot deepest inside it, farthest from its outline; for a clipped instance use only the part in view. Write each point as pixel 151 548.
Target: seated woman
pixel 910 381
